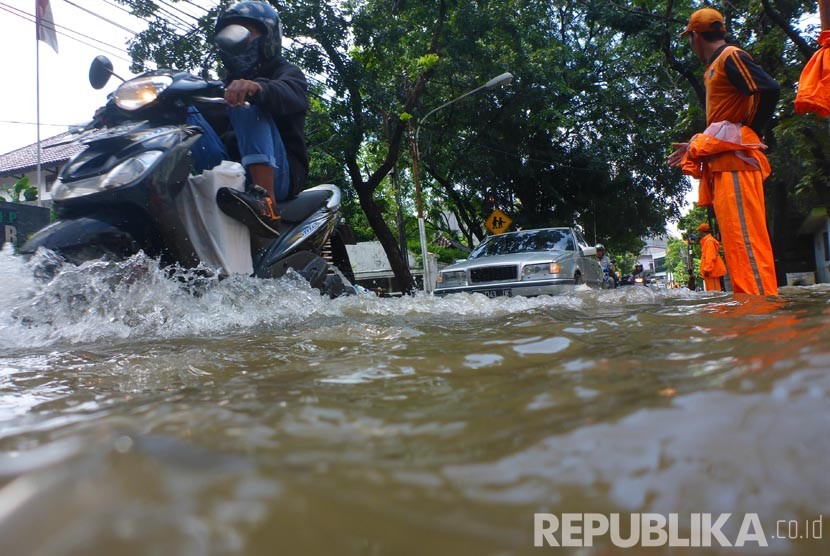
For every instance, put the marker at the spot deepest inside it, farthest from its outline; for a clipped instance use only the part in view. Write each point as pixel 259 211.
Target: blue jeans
pixel 259 142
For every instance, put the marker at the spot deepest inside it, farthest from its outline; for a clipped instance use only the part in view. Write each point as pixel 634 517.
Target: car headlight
pixel 452 278
pixel 124 173
pixel 141 91
pixel 535 270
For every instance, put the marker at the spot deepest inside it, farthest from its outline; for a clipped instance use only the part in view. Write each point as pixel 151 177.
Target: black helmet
pixel 261 14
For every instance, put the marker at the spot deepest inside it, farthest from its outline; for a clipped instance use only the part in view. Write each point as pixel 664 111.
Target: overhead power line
pixel 144 19
pixel 99 16
pixel 198 6
pixel 176 21
pixel 172 7
pixel 120 7
pixel 61 30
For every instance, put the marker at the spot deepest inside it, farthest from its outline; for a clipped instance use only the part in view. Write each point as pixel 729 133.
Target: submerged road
pixel 261 418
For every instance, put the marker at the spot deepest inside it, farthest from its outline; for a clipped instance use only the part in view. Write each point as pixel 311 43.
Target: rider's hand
pixel 676 157
pixel 239 90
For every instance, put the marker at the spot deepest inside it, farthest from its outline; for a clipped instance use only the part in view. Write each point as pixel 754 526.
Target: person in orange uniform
pixel 728 157
pixel 711 265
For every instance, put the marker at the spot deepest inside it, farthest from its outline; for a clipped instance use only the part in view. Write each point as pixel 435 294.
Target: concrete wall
pixel 821 248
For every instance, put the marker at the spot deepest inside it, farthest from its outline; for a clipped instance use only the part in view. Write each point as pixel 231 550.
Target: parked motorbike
pixel 123 193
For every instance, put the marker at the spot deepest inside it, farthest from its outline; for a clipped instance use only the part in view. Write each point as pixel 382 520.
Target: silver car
pixel 547 261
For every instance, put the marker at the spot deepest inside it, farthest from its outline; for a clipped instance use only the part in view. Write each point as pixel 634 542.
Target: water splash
pixel 105 300
pixel 136 299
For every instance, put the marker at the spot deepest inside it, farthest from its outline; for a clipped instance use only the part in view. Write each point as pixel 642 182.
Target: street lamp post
pixel 497 81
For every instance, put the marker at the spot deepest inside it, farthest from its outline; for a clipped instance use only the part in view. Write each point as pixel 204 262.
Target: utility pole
pixel 401 226
pixel 692 285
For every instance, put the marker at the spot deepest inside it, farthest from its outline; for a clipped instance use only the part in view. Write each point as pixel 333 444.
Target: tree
pixel 601 90
pixel 574 140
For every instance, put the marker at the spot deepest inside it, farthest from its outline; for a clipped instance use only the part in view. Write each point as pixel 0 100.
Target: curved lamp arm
pixel 498 81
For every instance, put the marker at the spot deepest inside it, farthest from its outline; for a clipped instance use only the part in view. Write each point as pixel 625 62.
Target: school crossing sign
pixel 498 222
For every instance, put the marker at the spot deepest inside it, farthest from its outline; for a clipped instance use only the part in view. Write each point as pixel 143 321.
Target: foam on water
pixel 135 298
pixel 104 301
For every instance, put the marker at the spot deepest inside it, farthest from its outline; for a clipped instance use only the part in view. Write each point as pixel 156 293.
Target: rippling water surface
pixel 256 417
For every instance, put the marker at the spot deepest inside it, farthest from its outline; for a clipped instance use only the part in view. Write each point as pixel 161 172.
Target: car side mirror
pixel 589 251
pixel 100 71
pixel 232 39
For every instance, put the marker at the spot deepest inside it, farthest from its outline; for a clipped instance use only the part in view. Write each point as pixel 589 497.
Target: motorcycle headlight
pixel 141 91
pixel 535 270
pixel 124 173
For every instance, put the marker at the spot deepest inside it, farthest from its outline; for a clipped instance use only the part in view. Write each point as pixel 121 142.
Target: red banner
pixel 45 24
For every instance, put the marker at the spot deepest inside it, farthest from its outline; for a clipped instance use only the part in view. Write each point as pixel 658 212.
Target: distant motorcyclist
pixel 639 275
pixel 606 264
pixel 270 132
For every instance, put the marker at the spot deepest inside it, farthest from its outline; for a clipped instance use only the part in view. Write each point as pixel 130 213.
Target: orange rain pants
pixel 711 265
pixel 728 160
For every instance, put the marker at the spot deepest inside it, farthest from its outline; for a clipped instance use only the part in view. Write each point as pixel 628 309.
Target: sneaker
pixel 253 208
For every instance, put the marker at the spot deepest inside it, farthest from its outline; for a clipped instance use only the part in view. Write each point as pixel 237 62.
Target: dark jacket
pixel 285 96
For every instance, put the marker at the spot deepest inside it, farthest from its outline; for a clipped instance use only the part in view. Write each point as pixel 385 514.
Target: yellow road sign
pixel 498 222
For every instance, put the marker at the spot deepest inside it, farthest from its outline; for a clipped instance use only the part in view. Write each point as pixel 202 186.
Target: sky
pixel 66 97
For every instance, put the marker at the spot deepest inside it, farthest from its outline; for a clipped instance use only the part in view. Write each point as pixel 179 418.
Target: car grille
pixel 493 273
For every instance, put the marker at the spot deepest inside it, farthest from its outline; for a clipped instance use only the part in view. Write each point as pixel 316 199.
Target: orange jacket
pixel 711 264
pixel 814 84
pixel 723 147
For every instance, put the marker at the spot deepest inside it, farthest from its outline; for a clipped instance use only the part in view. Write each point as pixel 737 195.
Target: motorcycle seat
pixel 302 206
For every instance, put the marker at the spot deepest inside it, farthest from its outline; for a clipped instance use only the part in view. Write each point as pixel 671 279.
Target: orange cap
pixel 704 228
pixel 704 20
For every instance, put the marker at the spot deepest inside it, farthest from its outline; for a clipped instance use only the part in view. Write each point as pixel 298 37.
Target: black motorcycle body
pixel 119 195
pixel 609 279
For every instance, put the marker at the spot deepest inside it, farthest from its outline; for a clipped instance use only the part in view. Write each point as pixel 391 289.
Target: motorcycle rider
pixel 269 132
pixel 639 272
pixel 605 263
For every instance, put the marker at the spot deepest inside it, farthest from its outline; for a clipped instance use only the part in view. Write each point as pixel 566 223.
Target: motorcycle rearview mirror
pixel 100 71
pixel 232 39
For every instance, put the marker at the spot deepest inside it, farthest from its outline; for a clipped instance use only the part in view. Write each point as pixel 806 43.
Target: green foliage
pixel 427 61
pixel 677 259
pixel 691 220
pixel 21 191
pixel 624 261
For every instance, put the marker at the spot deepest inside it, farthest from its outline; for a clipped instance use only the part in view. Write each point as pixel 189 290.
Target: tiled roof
pixel 54 150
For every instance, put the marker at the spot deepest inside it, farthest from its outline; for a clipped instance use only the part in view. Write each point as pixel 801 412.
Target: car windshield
pixel 524 242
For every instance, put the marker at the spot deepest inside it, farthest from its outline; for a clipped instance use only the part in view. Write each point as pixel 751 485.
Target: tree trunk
pixel 365 188
pixel 387 239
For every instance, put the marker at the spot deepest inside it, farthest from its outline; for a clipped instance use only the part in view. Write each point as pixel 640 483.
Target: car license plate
pixel 498 293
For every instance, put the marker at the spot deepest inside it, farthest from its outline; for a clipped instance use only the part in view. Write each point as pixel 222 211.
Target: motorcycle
pixel 127 191
pixel 609 279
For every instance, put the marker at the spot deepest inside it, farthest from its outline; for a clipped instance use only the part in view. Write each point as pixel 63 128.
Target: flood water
pixel 260 418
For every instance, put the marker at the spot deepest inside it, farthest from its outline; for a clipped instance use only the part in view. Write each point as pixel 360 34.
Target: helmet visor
pixel 232 39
